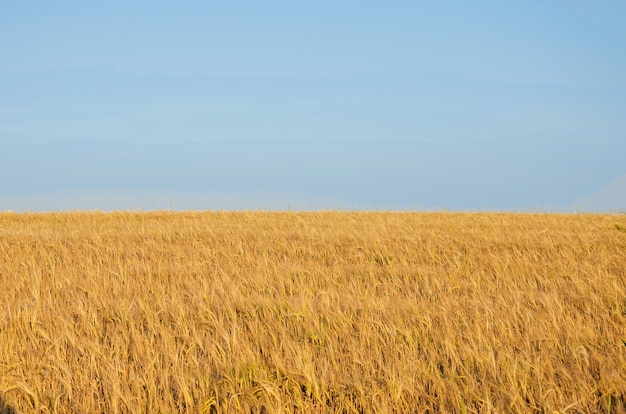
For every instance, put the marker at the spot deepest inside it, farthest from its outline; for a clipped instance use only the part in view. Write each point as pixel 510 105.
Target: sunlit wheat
pixel 312 312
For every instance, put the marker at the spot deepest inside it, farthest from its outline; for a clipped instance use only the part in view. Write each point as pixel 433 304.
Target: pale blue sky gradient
pixel 490 105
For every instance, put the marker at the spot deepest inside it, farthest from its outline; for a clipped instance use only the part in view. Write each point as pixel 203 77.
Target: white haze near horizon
pixel 611 196
pixel 358 105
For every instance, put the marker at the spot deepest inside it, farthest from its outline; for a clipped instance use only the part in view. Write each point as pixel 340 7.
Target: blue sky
pixel 484 105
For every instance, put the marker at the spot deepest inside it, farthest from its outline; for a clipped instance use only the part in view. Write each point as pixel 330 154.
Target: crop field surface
pixel 333 312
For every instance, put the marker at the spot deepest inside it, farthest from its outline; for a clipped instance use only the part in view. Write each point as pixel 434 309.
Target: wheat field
pixel 338 312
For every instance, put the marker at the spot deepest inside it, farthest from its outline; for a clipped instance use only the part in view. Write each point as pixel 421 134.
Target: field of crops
pixel 312 312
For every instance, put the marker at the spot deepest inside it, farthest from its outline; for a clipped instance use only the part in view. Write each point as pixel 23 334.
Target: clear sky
pixel 460 105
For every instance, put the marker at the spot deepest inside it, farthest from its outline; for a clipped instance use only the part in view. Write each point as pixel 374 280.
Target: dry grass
pixel 312 312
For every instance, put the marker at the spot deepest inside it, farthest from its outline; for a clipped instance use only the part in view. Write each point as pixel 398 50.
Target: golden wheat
pixel 312 312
